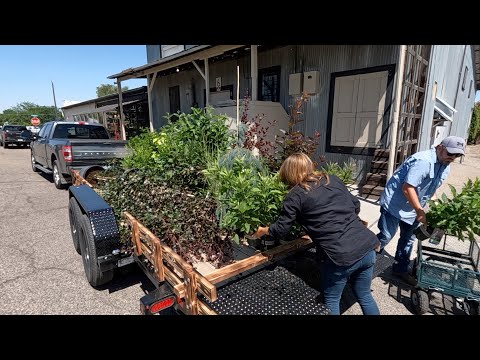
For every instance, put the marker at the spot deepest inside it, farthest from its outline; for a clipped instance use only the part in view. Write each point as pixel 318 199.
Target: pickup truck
pixel 60 147
pixel 15 134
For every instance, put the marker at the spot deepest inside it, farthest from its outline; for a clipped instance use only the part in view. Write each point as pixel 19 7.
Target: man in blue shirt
pixel 406 194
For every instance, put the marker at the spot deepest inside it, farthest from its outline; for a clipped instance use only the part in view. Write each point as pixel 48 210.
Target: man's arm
pixel 412 197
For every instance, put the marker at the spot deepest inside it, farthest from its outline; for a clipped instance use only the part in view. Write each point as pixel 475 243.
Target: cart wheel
pixel 420 301
pixel 470 307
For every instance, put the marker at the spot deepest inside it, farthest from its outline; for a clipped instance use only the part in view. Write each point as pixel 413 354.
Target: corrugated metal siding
pixel 292 59
pixel 328 59
pixel 154 53
pixel 447 66
pixel 465 103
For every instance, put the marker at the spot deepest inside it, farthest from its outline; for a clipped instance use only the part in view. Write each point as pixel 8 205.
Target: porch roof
pixel 199 52
pixel 105 108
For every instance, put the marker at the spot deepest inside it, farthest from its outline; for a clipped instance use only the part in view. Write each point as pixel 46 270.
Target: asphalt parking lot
pixel 40 272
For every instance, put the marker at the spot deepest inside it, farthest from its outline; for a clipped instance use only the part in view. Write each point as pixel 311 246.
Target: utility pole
pixel 54 101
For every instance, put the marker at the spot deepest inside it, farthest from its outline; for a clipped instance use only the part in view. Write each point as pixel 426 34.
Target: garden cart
pixel 449 267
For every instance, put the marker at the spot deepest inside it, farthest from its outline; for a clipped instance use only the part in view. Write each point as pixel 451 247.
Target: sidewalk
pixel 392 295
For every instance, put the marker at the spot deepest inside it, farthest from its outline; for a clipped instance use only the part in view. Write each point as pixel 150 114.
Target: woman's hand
pixel 262 230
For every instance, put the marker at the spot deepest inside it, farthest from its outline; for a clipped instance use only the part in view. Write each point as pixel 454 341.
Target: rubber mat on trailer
pixel 269 291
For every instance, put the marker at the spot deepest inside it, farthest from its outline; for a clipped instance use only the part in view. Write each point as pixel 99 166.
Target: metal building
pixel 362 98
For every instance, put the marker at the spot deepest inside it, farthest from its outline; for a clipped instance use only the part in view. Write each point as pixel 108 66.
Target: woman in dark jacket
pixel 329 213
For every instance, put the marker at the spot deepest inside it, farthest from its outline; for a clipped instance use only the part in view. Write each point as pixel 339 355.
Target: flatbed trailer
pixel 256 283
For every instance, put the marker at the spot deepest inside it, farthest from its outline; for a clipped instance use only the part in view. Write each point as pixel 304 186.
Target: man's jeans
pixel 360 274
pixel 388 226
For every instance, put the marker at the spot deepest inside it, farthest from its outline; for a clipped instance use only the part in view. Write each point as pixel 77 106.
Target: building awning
pixel 112 107
pixel 199 52
pixel 444 109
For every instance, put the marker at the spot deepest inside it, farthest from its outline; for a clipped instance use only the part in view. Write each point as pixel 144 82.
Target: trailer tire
pixel 74 215
pixel 89 255
pixel 420 301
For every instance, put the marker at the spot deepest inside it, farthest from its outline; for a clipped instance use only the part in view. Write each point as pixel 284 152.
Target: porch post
pixel 207 81
pixel 396 114
pixel 254 70
pixel 120 109
pixel 151 82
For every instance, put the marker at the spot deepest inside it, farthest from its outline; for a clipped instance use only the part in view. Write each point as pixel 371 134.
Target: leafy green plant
pixel 474 131
pixel 459 215
pixel 248 195
pixel 344 171
pixel 186 221
pixel 181 149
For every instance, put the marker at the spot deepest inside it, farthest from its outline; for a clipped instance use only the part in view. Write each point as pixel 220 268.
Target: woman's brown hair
pixel 298 169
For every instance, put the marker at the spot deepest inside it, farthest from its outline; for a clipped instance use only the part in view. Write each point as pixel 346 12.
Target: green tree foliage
pixel 474 132
pixel 21 114
pixel 108 89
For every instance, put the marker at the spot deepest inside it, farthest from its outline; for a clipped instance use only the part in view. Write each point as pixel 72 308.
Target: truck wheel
pixel 32 157
pixel 89 255
pixel 74 214
pixel 57 176
pixel 420 301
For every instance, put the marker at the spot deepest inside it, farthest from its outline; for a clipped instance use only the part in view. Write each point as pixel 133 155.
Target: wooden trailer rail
pixel 79 180
pixel 185 280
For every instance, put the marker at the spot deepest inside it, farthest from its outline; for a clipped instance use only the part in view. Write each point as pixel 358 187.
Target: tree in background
pixel 21 114
pixel 108 89
pixel 474 132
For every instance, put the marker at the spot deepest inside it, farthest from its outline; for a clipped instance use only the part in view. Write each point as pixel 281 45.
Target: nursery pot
pixel 269 242
pixel 254 241
pixel 427 232
pixel 423 232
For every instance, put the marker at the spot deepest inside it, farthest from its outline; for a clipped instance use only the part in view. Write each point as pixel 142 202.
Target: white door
pixel 372 89
pixel 344 110
pixel 358 107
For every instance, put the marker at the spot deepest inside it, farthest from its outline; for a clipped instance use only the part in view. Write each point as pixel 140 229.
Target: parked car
pixel 15 134
pixel 62 146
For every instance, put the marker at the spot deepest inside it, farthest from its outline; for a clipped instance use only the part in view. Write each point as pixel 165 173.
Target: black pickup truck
pixel 15 134
pixel 62 146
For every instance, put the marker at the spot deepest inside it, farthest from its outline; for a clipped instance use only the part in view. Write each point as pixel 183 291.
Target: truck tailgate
pixel 85 150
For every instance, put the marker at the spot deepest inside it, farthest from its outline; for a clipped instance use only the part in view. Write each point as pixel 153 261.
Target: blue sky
pixel 27 71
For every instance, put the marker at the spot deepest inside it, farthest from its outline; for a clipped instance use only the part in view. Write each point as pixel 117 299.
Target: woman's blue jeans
pixel 360 274
pixel 388 226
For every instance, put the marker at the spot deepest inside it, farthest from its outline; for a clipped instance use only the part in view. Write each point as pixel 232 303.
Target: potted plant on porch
pixel 458 216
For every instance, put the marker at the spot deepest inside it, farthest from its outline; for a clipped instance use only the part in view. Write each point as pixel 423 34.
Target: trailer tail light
pixel 158 306
pixel 67 153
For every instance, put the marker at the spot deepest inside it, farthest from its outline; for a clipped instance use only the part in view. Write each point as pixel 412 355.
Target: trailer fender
pixel 101 217
pixel 94 274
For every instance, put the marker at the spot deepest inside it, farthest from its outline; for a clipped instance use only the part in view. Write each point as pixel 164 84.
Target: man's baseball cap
pixel 454 144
